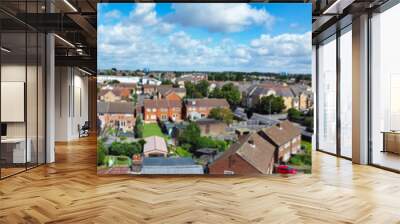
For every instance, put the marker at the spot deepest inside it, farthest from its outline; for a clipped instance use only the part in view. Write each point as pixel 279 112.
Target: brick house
pixel 200 108
pixel 162 109
pixel 170 93
pixel 118 115
pixel 286 138
pixel 251 154
pixel 114 94
pixel 149 89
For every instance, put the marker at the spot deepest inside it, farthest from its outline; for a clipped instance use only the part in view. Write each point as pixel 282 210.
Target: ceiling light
pixel 65 41
pixel 5 50
pixel 70 5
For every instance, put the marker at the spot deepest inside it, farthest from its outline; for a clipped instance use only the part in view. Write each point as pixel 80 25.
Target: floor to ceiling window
pixel 327 95
pixel 346 95
pixel 385 89
pixel 22 88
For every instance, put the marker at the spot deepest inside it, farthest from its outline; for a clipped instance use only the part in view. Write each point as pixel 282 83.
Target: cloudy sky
pixel 205 37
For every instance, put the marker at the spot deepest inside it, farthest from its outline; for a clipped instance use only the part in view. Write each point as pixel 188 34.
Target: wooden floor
pixel 69 191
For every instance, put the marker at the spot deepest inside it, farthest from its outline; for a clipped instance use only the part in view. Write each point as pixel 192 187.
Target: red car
pixel 285 169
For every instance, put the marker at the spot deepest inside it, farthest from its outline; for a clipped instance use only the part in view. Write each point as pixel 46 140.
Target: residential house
pixel 251 154
pixel 162 109
pixel 256 92
pixel 170 93
pixel 117 115
pixel 200 108
pixel 303 95
pixel 171 165
pixel 286 139
pixel 211 127
pixel 155 146
pixel 191 77
pixel 113 94
pixel 149 89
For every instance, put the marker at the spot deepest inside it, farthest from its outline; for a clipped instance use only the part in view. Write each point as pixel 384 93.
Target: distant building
pixel 286 138
pixel 200 108
pixel 211 127
pixel 170 166
pixel 294 96
pixel 162 109
pixel 117 115
pixel 170 93
pixel 252 154
pixel 155 146
pixel 149 89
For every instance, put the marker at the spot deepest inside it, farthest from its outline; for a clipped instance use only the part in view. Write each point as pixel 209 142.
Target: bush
pixel 221 114
pixel 125 148
pixel 180 151
pixel 101 152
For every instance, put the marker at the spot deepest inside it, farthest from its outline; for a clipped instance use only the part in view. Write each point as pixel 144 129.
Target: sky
pixel 256 37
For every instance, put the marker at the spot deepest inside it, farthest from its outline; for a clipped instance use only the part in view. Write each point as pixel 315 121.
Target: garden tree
pixel 190 89
pixel 228 91
pixel 294 114
pixel 202 87
pixel 207 142
pixel 139 127
pixel 101 152
pixel 222 114
pixel 189 135
pixel 166 82
pixel 270 104
pixel 134 97
pixel 199 90
pixel 309 122
pixel 125 148
pixel 142 142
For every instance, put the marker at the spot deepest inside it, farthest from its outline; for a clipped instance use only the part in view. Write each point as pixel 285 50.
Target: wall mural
pixel 204 89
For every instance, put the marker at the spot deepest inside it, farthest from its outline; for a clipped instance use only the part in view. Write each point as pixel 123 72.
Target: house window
pixel 228 172
pixel 153 117
pixel 148 110
pixel 163 117
pixel 154 109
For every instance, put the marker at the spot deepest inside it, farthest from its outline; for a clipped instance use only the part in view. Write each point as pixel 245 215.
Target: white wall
pixel 71 94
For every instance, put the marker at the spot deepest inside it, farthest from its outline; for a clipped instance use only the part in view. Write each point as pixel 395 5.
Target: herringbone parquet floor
pixel 69 191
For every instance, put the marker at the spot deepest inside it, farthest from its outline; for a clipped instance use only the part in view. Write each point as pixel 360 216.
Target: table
pixel 391 141
pixel 13 150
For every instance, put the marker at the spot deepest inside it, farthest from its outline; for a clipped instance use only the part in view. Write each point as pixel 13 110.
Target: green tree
pixel 167 82
pixel 230 92
pixel 222 114
pixel 101 152
pixel 270 104
pixel 125 148
pixel 202 87
pixel 189 135
pixel 139 127
pixel 294 114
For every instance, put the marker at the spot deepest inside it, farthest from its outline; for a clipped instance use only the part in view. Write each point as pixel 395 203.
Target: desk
pixel 391 141
pixel 13 150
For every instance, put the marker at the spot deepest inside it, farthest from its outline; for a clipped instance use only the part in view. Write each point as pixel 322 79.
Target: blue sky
pixel 206 37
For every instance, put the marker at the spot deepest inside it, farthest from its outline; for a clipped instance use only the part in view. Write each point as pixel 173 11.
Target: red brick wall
pixel 232 163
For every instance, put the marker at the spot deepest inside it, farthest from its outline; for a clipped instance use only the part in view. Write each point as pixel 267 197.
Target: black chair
pixel 84 130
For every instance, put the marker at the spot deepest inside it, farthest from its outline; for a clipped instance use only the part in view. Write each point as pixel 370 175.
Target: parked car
pixel 285 169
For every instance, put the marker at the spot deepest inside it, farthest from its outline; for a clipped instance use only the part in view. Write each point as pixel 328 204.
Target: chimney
pixel 251 143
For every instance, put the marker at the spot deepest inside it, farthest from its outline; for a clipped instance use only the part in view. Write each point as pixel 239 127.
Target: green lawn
pixel 119 161
pixel 152 130
pixel 181 152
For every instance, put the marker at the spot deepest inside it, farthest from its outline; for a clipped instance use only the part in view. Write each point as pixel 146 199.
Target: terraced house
pixel 162 110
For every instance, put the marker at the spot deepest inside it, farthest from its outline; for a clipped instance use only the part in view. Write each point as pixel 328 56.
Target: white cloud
pixel 144 14
pixel 144 39
pixel 113 14
pixel 217 17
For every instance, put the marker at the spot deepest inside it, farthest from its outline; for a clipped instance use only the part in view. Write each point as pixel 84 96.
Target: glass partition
pixel 385 89
pixel 346 93
pixel 327 95
pixel 22 88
